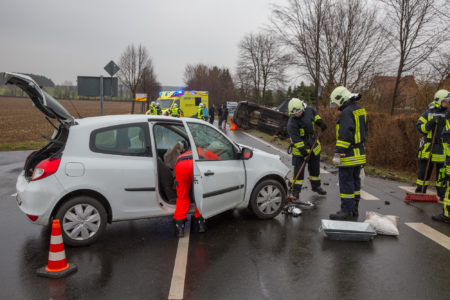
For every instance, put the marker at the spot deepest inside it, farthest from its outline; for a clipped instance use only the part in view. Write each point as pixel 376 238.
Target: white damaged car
pixel 104 169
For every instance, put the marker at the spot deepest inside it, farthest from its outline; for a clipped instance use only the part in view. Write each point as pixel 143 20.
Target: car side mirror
pixel 246 153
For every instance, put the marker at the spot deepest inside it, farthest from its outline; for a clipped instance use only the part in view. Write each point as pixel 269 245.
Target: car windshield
pixel 166 103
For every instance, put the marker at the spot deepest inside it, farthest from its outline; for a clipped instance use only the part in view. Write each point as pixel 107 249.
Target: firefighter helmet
pixel 158 104
pixel 339 95
pixel 441 95
pixel 201 105
pixel 153 103
pixel 175 105
pixel 295 105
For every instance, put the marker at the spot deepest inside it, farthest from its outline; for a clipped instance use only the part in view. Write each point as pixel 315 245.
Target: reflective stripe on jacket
pixel 301 132
pixel 443 131
pixel 351 133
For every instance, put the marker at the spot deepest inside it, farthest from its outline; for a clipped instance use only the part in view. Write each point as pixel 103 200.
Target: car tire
pixel 268 199
pixel 83 220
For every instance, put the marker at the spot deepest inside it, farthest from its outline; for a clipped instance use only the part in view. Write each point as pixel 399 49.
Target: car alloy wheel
pixel 82 219
pixel 268 199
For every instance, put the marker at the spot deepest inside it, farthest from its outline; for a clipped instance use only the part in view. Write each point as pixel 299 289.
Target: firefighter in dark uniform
pixel 300 128
pixel 433 119
pixel 350 156
pixel 443 96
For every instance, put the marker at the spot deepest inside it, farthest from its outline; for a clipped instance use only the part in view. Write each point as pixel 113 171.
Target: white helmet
pixel 295 105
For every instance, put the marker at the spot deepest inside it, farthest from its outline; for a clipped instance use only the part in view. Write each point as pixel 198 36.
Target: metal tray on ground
pixel 347 231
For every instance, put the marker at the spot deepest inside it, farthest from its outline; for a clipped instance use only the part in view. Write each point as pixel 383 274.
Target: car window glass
pixel 210 143
pixel 125 140
pixel 166 136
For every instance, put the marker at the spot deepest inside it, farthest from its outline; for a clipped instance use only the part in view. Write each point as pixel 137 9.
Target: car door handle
pixel 209 173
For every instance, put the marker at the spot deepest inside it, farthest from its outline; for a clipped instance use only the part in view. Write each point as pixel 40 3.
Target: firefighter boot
pixel 198 224
pixel 319 190
pixel 341 215
pixel 179 227
pixel 441 218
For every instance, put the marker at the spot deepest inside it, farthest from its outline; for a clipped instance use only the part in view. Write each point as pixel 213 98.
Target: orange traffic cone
pixel 234 127
pixel 57 265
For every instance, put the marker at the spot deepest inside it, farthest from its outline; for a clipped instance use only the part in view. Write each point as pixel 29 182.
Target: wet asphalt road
pixel 239 257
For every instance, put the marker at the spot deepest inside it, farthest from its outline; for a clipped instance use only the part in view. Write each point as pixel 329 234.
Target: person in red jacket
pixel 184 177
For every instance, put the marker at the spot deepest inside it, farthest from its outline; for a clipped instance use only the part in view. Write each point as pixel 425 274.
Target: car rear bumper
pixel 38 198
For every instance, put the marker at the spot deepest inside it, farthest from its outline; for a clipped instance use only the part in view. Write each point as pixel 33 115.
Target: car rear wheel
pixel 82 219
pixel 268 199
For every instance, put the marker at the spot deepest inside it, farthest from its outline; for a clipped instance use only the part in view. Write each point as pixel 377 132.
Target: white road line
pixel 179 269
pixel 366 196
pixel 14 195
pixel 431 233
pixel 412 189
pixel 323 171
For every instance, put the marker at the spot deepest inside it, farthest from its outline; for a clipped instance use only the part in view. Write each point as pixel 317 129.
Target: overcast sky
pixel 62 39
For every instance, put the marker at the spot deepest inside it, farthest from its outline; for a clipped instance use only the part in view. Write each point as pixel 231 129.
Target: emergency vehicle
pixel 188 101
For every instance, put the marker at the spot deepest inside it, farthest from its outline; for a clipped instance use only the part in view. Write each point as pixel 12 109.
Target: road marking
pixel 179 269
pixel 323 171
pixel 366 196
pixel 431 233
pixel 412 189
pixel 14 195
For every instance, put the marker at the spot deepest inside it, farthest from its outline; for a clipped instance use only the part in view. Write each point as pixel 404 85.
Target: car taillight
pixel 32 218
pixel 45 168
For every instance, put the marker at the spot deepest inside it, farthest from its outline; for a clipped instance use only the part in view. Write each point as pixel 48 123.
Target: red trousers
pixel 183 176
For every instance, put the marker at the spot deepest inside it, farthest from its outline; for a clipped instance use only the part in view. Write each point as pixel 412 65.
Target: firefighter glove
pixel 337 159
pixel 321 124
pixel 304 152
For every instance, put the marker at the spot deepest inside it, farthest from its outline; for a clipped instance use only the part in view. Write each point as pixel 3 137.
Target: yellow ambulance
pixel 188 101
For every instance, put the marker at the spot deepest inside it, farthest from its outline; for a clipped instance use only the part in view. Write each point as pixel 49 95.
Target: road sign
pixel 92 86
pixel 112 68
pixel 141 97
pixel 89 86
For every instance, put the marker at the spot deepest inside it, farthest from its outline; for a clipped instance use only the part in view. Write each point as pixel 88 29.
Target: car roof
pixel 111 120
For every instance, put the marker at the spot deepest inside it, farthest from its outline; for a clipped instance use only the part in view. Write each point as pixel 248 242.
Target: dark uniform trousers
pixel 421 177
pixel 313 169
pixel 349 187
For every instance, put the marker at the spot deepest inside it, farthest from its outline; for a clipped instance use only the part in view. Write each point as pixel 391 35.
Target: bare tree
pixel 217 81
pixel 149 84
pixel 362 43
pixel 299 25
pixel 415 28
pixel 261 60
pixel 132 63
pixel 440 64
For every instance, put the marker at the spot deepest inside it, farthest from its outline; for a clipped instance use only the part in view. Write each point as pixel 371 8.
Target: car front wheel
pixel 82 219
pixel 268 199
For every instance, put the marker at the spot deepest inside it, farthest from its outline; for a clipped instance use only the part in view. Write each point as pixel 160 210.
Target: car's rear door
pixel 122 165
pixel 219 177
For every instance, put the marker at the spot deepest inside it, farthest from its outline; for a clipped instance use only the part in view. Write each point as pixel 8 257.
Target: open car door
pixel 219 177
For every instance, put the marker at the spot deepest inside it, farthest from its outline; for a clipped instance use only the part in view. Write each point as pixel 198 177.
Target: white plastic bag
pixel 386 225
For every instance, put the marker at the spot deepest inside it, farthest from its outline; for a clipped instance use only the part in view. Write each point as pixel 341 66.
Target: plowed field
pixel 20 121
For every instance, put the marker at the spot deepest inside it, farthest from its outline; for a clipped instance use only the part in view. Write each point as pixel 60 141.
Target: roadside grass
pixel 31 145
pixel 385 173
